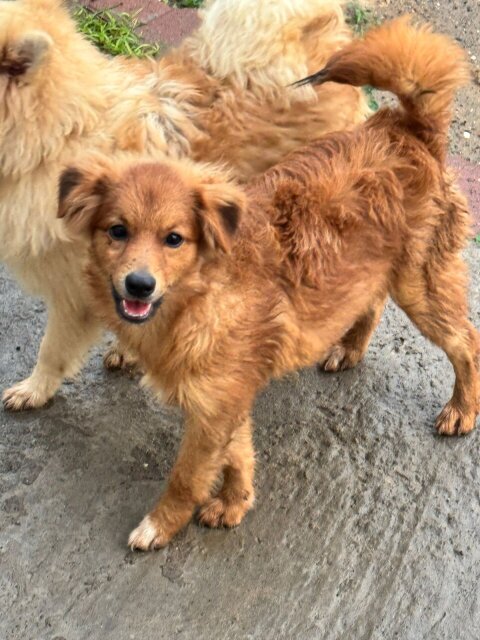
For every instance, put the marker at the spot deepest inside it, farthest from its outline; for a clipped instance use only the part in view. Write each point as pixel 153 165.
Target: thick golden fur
pixel 59 96
pixel 292 272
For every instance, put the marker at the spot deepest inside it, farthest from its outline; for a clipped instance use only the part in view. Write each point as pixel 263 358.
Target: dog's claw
pixel 24 395
pixel 115 359
pixel 340 358
pixel 217 512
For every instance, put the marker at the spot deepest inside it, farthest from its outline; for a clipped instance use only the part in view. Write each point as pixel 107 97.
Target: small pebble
pixel 466 134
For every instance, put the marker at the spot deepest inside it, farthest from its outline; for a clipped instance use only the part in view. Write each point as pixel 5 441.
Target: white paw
pixel 147 536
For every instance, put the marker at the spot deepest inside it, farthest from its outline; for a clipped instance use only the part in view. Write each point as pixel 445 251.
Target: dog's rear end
pixel 429 280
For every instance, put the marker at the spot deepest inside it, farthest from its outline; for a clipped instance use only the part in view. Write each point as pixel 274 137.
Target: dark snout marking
pixel 140 284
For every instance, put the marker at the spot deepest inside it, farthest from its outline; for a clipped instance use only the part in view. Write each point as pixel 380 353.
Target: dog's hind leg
pixel 434 297
pixel 354 344
pixel 236 496
pixel 70 334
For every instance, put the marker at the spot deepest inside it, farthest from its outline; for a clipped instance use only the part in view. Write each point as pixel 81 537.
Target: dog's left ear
pixel 25 54
pixel 219 207
pixel 80 195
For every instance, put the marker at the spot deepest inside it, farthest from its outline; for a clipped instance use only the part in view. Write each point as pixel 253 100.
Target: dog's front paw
pixel 27 394
pixel 340 358
pixel 453 422
pixel 116 359
pixel 149 535
pixel 218 512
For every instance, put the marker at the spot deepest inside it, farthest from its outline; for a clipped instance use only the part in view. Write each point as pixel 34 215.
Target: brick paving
pixel 161 23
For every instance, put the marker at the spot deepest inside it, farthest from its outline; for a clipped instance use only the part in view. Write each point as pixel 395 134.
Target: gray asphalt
pixel 366 522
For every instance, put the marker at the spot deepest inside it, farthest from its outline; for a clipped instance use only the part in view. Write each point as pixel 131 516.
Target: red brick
pixel 172 27
pixel 158 21
pixel 147 10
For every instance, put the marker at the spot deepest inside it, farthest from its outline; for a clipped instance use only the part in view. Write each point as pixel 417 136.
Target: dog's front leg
pixel 198 465
pixel 71 331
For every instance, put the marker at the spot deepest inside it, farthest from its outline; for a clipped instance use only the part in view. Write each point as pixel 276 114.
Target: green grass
pixel 360 18
pixel 186 4
pixel 113 33
pixel 477 238
pixel 372 103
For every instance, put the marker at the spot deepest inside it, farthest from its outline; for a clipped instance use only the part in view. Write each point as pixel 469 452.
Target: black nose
pixel 140 284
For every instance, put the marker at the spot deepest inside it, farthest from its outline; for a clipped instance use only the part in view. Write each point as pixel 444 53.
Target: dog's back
pixel 376 172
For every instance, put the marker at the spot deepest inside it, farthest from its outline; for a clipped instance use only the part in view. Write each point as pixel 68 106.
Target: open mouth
pixel 135 311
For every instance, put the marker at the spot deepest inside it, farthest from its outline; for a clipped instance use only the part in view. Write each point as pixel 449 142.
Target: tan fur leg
pixel 435 301
pixel 354 344
pixel 236 496
pixel 69 335
pixel 198 465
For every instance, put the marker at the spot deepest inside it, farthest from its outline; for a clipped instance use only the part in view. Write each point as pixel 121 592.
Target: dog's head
pixel 151 226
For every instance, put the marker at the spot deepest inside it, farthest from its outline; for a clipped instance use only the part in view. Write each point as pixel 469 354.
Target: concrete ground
pixel 366 522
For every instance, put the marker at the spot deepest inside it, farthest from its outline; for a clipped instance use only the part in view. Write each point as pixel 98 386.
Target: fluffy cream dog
pixel 222 96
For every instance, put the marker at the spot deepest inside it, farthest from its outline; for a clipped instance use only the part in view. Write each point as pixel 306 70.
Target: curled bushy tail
pixel 421 67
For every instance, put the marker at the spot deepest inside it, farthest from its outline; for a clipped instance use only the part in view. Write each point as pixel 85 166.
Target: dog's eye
pixel 173 240
pixel 118 232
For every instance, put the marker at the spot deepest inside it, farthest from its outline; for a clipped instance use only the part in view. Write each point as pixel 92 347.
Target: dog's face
pixel 150 224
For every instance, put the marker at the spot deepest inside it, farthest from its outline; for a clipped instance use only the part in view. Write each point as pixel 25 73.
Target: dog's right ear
pixel 80 195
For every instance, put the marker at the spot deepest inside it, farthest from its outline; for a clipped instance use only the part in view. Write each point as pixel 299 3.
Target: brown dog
pixel 218 291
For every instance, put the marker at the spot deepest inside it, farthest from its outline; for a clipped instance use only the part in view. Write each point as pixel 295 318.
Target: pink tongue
pixel 136 308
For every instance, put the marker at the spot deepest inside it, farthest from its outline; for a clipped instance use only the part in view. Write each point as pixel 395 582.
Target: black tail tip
pixel 316 78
